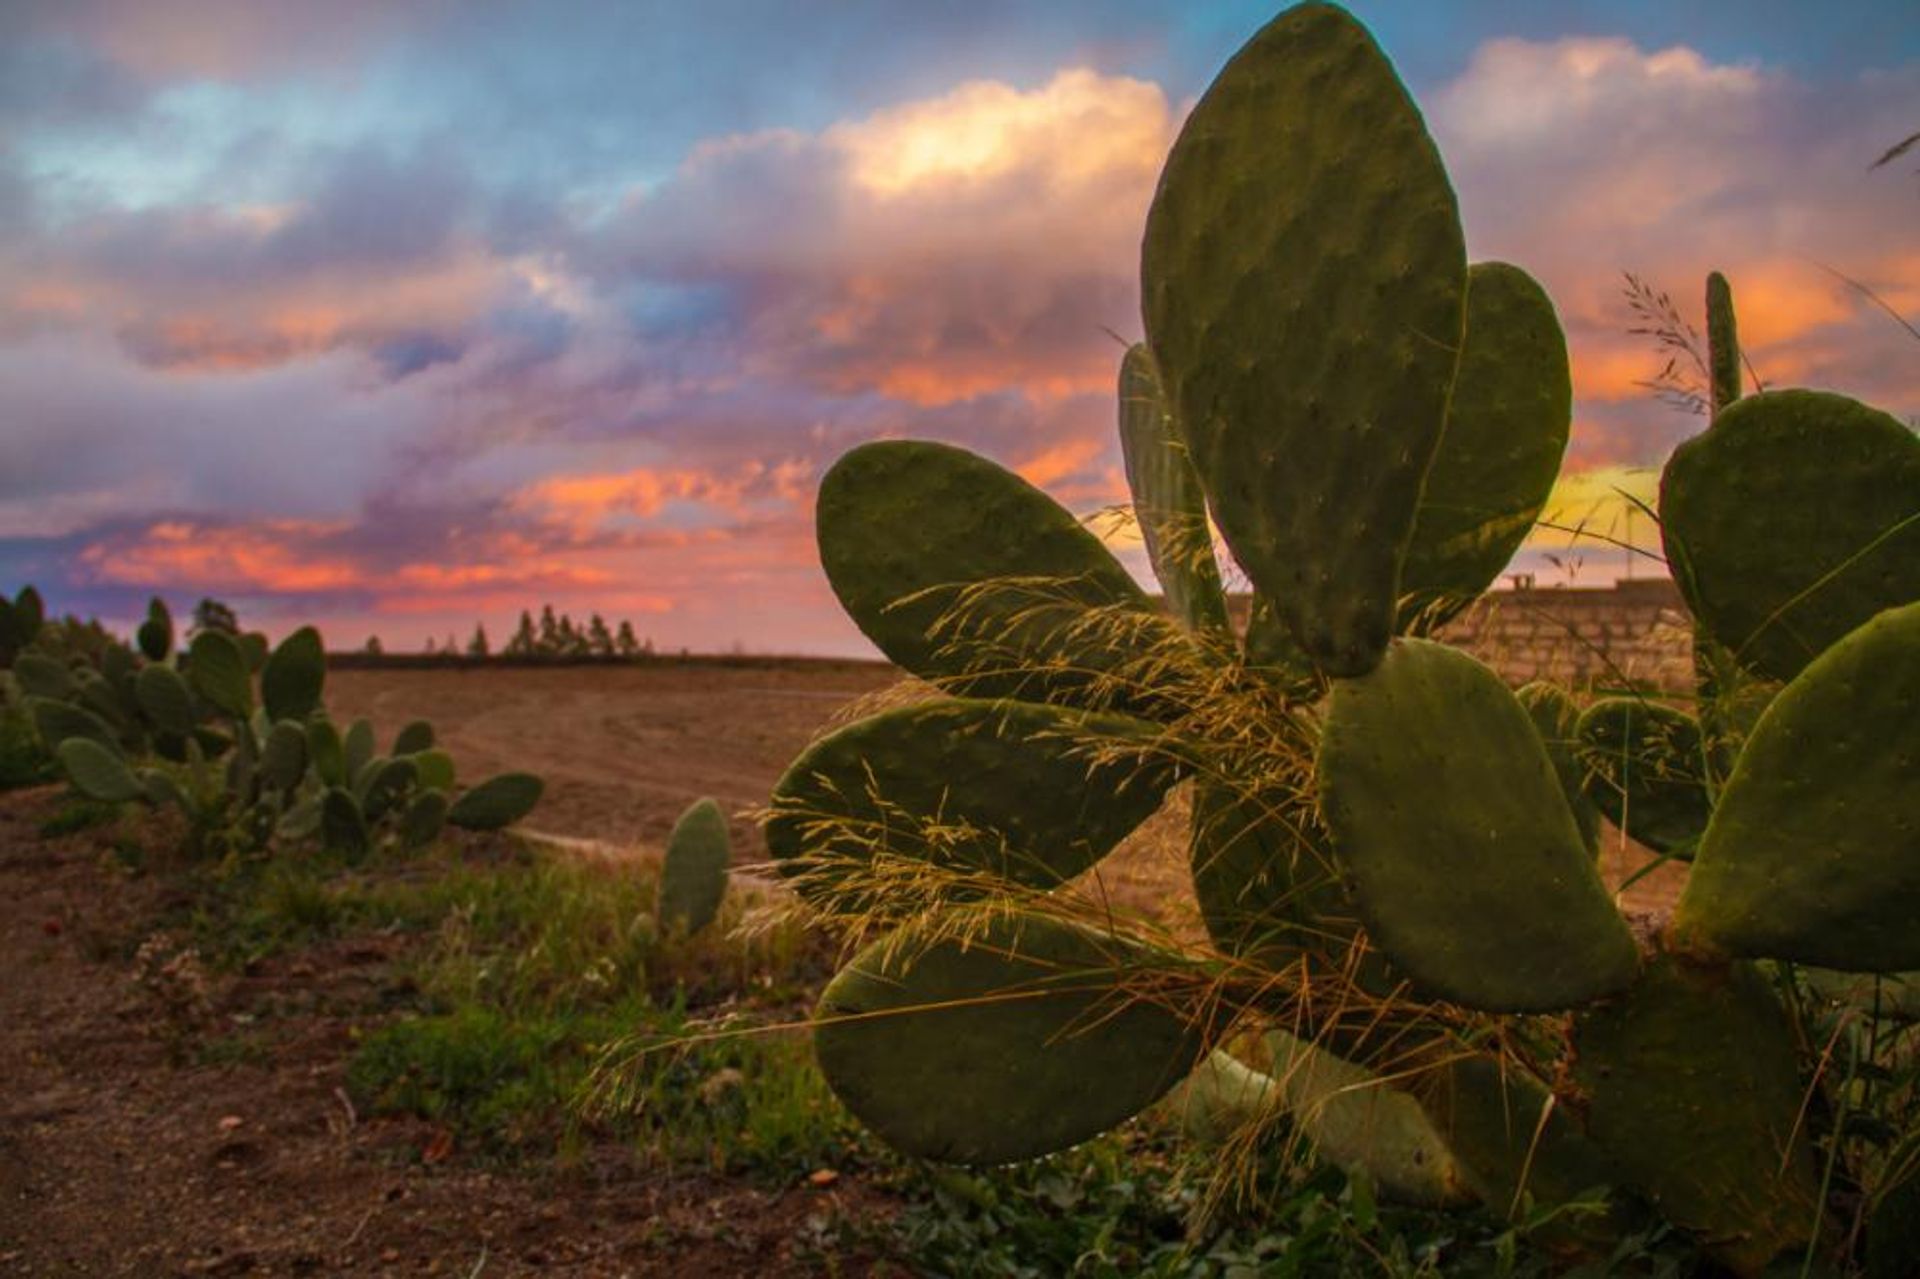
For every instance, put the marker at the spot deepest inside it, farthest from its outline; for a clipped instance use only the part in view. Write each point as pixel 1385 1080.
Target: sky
pixel 396 316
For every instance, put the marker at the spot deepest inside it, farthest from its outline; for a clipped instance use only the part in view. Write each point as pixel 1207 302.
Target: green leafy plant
pixel 241 745
pixel 1387 849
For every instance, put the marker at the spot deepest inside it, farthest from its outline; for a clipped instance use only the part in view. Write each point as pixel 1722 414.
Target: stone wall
pixel 1636 632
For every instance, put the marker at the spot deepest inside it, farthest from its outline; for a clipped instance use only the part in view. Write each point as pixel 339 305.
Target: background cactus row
pixel 236 737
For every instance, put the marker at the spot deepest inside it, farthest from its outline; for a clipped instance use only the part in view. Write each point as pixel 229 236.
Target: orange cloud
pixel 221 559
pixel 584 501
pixel 1056 463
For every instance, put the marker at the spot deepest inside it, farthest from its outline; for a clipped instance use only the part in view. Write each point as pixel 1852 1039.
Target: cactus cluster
pixel 237 738
pixel 1373 425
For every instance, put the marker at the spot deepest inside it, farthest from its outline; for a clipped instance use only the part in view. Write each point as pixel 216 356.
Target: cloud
pixel 975 242
pixel 1582 158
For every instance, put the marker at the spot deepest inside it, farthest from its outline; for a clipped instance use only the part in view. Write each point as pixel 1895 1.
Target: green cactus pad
pixel 1304 279
pixel 164 699
pixel 1267 885
pixel 1723 345
pixel 1272 650
pixel 1792 520
pixel 91 690
pixel 358 748
pixel 1168 503
pixel 1646 769
pixel 253 650
pixel 1507 424
pixel 99 773
pixel 388 782
pixel 343 827
pixel 1010 788
pixel 1444 806
pixel 498 801
pixel 218 672
pixel 424 817
pixel 1556 719
pixel 41 676
pixel 1492 1120
pixel 1025 1042
pixel 1358 1120
pixel 283 757
pixel 1813 853
pixel 693 877
pixel 1694 1092
pixel 155 635
pixel 905 527
pixel 327 751
pixel 58 722
pixel 433 769
pixel 415 737
pixel 294 675
pixel 161 789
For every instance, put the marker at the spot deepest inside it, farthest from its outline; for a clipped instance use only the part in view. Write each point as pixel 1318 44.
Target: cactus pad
pixel 1467 865
pixel 328 753
pixel 1168 503
pixel 907 527
pixel 1792 520
pixel 283 757
pixel 41 676
pixel 433 769
pixel 57 722
pixel 1013 789
pixel 423 819
pixel 155 635
pixel 291 681
pixel 343 827
pixel 498 801
pixel 1723 345
pixel 1266 883
pixel 414 737
pixel 1646 769
pixel 1507 424
pixel 99 773
pixel 164 699
pixel 1813 853
pixel 1694 1092
pixel 1023 1042
pixel 1556 719
pixel 1303 281
pixel 358 748
pixel 217 669
pixel 1514 1147
pixel 693 877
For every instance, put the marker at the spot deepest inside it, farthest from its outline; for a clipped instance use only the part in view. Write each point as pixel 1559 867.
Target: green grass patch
pixel 78 813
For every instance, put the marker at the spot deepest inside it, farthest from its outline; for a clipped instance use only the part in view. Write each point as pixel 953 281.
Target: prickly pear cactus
pixel 693 877
pixel 1392 854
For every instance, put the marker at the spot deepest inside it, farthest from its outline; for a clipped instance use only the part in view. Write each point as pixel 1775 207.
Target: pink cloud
pixel 1585 157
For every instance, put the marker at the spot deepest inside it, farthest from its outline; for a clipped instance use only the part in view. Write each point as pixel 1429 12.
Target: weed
pixel 24 760
pixel 78 813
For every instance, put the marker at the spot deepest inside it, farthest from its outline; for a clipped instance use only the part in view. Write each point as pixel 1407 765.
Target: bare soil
pixel 623 749
pixel 116 1158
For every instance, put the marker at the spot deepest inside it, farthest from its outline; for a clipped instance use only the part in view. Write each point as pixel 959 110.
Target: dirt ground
pixel 623 749
pixel 116 1161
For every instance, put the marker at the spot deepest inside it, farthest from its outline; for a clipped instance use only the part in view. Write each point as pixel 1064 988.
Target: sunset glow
pixel 401 317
